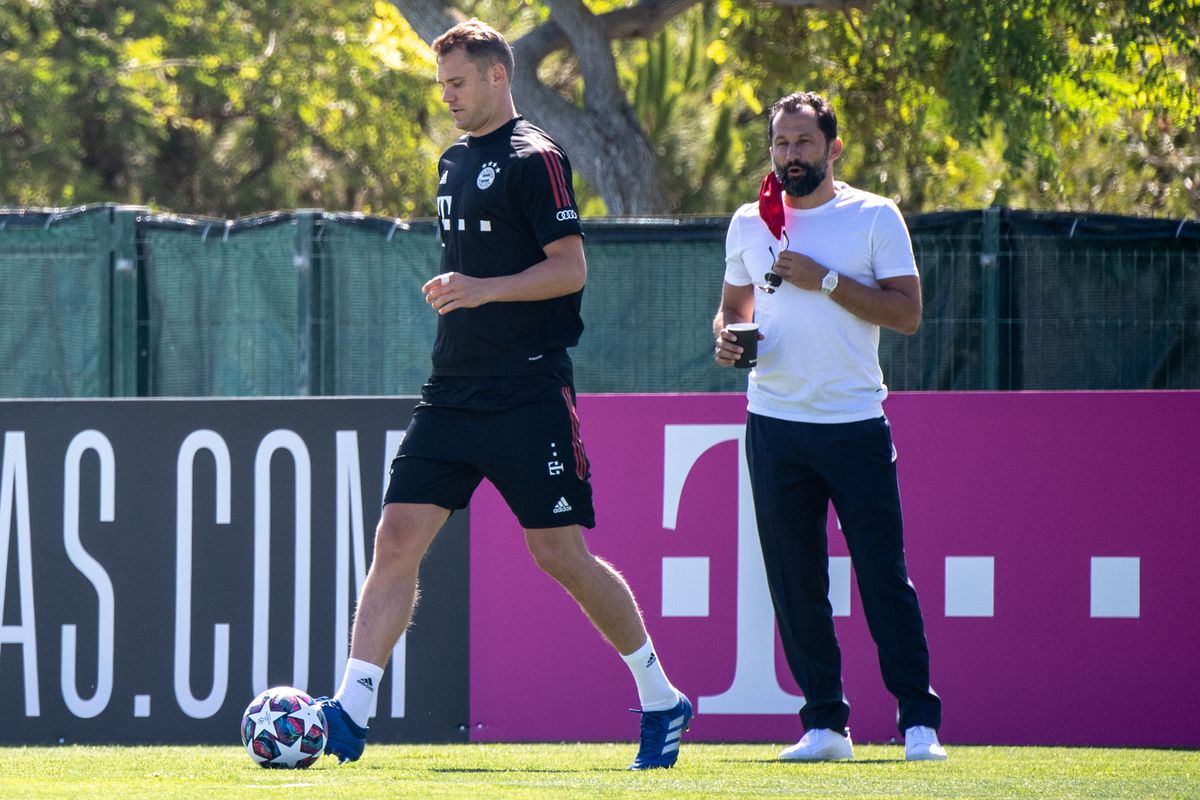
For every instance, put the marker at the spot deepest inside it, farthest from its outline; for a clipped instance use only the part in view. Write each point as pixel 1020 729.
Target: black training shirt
pixel 501 198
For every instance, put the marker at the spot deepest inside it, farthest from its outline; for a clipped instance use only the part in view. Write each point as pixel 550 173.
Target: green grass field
pixel 586 771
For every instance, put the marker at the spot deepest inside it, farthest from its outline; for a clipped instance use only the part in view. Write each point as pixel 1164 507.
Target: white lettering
pixel 351 539
pixel 755 688
pixel 400 651
pixel 14 496
pixel 92 570
pixel 302 492
pixel 189 703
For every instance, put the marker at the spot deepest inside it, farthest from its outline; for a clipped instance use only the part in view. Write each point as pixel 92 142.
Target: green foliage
pixel 962 104
pixel 237 106
pixel 675 84
pixel 224 107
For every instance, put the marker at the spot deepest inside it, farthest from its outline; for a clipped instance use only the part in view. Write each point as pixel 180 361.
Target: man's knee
pixel 562 557
pixel 405 533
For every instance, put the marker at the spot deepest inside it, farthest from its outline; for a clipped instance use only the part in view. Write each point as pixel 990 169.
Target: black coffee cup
pixel 747 338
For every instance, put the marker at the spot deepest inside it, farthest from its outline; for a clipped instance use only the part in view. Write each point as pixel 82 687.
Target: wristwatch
pixel 829 282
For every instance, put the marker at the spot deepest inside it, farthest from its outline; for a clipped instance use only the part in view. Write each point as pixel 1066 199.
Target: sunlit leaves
pixel 957 104
pixel 239 106
pixel 215 106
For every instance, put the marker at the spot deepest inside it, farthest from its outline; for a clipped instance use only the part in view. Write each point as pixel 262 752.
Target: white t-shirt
pixel 818 362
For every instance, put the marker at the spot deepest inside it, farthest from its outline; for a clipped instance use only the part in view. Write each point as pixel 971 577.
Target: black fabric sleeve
pixel 548 196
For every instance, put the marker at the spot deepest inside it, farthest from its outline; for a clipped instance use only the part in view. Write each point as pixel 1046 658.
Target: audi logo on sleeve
pixel 563 216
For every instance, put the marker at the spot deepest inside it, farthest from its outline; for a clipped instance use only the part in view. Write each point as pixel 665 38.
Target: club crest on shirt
pixel 487 175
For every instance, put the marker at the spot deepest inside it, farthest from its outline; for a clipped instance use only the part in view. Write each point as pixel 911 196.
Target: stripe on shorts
pixel 581 462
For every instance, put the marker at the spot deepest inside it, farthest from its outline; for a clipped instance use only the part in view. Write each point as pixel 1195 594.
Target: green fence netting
pixel 116 301
pixel 946 352
pixel 220 313
pixel 376 329
pixel 1121 307
pixel 55 323
pixel 653 288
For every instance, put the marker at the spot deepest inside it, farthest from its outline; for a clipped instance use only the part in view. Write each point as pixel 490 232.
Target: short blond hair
pixel 483 44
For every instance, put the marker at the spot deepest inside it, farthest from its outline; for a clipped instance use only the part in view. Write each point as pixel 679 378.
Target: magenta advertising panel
pixel 1052 538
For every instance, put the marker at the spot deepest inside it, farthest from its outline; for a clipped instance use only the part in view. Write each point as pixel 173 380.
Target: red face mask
pixel 770 204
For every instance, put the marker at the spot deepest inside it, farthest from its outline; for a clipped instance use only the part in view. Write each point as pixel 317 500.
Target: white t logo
pixel 755 688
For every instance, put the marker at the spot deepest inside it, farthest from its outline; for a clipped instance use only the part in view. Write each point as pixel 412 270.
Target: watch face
pixel 829 282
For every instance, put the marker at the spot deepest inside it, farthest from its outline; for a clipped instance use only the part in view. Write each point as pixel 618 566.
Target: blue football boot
pixel 661 731
pixel 346 740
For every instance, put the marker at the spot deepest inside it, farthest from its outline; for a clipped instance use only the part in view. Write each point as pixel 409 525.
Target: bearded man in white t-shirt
pixel 820 266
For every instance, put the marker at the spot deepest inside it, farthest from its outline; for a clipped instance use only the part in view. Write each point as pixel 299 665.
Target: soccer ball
pixel 284 728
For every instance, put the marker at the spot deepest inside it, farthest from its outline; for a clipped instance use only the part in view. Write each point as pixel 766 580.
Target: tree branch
pixel 593 52
pixel 428 20
pixel 642 20
pixel 608 144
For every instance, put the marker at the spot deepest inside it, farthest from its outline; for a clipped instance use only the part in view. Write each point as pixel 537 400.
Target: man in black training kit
pixel 501 402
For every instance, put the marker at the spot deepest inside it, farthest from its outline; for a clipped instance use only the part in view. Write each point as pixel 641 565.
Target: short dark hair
pixel 826 117
pixel 484 44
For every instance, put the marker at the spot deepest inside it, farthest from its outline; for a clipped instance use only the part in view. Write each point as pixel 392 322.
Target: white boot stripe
pixel 670 748
pixel 673 737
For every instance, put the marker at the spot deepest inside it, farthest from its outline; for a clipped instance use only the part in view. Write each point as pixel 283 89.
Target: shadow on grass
pixel 518 771
pixel 803 764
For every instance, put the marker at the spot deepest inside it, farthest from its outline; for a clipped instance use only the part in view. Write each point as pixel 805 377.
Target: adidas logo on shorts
pixel 562 506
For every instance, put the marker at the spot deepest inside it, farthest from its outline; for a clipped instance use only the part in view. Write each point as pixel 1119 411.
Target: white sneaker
pixel 921 744
pixel 820 744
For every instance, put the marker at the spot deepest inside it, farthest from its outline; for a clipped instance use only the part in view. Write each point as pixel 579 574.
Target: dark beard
pixel 806 182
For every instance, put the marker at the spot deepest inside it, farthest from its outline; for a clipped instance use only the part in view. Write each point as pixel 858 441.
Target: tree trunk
pixel 604 139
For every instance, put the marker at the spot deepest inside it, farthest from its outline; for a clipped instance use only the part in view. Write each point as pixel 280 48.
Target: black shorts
pixel 531 451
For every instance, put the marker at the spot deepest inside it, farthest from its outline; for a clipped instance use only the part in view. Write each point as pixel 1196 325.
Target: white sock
pixel 654 690
pixel 357 692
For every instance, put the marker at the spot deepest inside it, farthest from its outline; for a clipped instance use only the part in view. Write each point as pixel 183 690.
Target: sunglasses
pixel 773 280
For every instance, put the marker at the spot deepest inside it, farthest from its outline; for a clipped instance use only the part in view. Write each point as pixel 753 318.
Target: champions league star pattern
pixel 284 728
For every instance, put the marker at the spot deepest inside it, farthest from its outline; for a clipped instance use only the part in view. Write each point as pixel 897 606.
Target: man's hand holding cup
pixel 737 345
